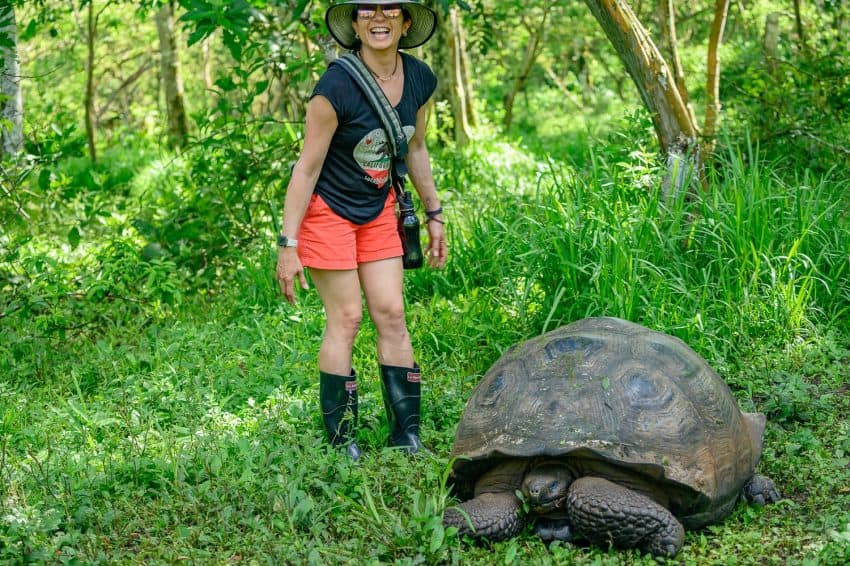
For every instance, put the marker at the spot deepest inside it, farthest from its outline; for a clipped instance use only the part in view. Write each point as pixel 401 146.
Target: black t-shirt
pixel 355 174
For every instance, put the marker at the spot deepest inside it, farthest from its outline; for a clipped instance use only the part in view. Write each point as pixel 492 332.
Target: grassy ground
pixel 144 423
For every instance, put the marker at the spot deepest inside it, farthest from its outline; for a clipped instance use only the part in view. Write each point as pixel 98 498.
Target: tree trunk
pixel 466 74
pixel 207 63
pixel 91 26
pixel 453 105
pixel 11 99
pixel 770 42
pixel 841 25
pixel 798 22
pixel 668 13
pixel 647 69
pixel 580 63
pixel 441 61
pixel 532 50
pixel 460 90
pixel 172 80
pixel 676 130
pixel 712 83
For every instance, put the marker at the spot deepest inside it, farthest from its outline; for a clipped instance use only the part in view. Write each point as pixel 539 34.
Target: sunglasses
pixel 369 11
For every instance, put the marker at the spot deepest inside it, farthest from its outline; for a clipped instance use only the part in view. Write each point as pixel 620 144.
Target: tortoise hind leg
pixel 607 513
pixel 495 516
pixel 761 490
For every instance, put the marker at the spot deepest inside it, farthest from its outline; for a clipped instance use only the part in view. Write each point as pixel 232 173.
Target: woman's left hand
pixel 438 249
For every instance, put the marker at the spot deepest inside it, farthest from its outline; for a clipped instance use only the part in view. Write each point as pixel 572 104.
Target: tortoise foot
pixel 761 490
pixel 606 513
pixel 494 516
pixel 553 529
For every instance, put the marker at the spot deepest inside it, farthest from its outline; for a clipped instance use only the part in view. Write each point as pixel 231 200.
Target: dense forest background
pixel 682 165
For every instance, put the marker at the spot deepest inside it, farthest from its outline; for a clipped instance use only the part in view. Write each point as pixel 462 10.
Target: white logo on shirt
pixel 372 154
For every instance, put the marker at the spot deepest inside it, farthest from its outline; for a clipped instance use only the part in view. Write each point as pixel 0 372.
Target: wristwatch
pixel 285 242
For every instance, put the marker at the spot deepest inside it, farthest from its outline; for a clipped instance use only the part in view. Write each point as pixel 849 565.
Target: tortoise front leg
pixel 605 513
pixel 495 516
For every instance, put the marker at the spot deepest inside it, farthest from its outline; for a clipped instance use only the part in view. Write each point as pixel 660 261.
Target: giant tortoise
pixel 607 432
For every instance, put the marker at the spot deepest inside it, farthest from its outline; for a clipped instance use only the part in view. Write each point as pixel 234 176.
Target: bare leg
pixel 400 376
pixel 340 294
pixel 382 283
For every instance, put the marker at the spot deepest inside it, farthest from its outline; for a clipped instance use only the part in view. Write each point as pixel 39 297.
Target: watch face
pixel 285 242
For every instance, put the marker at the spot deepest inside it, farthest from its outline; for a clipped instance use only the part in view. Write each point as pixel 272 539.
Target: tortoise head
pixel 545 486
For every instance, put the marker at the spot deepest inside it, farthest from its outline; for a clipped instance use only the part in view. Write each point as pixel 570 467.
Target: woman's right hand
pixel 288 268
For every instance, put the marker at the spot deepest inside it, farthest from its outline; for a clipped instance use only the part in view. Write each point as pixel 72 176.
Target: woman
pixel 339 214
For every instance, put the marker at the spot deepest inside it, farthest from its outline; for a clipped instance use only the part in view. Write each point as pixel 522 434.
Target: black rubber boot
pixel 338 399
pixel 402 394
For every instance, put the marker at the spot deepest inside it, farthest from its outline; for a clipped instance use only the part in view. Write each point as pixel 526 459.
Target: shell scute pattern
pixel 635 398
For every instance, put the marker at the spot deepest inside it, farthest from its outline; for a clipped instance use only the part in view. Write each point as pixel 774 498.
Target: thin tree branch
pixel 810 135
pixel 712 83
pixel 127 82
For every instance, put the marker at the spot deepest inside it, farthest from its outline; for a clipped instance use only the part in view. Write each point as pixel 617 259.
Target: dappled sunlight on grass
pixel 144 416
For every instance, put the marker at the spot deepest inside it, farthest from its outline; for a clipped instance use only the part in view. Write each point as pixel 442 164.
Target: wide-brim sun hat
pixel 423 22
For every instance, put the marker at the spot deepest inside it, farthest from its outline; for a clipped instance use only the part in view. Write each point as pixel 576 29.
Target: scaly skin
pixel 606 513
pixel 495 516
pixel 545 486
pixel 761 490
pixel 598 510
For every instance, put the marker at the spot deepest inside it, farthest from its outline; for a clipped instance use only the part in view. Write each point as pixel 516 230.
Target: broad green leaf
pixel 74 236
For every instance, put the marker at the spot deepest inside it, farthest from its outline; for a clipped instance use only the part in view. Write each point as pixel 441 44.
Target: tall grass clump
pixel 148 416
pixel 755 256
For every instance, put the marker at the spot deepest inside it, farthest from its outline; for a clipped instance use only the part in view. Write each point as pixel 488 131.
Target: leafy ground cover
pixel 147 418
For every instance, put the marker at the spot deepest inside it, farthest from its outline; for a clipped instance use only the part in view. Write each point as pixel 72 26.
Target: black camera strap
pixel 408 231
pixel 387 114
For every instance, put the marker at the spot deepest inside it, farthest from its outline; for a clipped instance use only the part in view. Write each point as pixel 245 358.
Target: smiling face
pixel 380 27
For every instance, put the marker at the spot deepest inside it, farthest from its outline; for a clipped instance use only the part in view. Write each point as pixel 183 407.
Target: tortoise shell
pixel 615 392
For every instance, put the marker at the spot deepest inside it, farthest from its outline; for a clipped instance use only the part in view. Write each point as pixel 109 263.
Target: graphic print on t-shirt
pixel 372 153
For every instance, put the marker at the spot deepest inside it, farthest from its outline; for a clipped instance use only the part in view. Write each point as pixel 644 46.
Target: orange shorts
pixel 328 241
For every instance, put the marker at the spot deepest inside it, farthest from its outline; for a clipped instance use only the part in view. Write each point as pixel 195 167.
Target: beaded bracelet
pixel 432 215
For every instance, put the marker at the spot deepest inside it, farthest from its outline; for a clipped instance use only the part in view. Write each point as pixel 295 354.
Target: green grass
pixel 144 420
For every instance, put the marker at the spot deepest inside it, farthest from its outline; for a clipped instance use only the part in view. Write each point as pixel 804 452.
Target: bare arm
pixel 419 167
pixel 320 125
